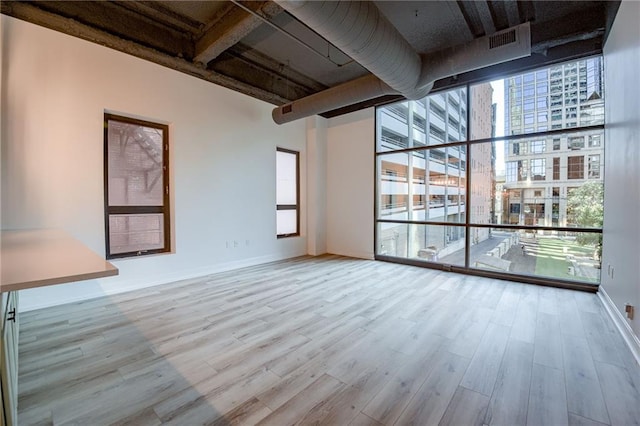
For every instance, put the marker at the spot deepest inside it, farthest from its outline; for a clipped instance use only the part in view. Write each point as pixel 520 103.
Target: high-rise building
pixel 541 172
pixel 430 184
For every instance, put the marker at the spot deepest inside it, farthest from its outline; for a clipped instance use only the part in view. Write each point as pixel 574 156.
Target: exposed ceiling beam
pixel 590 21
pixel 513 15
pixel 471 17
pixel 485 16
pixel 231 28
pixel 243 64
pixel 35 15
pixel 284 71
pixel 122 22
pixel 499 15
pixel 526 11
pixel 160 13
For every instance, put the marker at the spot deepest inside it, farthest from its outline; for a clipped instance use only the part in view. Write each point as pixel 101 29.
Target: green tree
pixel 586 206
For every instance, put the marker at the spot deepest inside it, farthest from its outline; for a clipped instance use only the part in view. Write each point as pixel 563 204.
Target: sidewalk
pixel 477 250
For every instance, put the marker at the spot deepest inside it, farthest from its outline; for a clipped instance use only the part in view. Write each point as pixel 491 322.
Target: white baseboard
pixel 367 255
pixel 621 323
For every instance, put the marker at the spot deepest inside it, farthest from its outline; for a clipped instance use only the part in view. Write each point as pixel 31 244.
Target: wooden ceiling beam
pixel 232 27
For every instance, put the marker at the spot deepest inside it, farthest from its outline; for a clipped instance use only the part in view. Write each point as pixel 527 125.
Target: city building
pixel 542 171
pixel 430 184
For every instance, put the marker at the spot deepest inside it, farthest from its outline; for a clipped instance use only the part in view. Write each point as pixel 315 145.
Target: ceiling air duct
pixel 362 32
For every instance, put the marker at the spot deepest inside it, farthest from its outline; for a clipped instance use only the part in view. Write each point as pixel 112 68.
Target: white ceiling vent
pixel 501 39
pixel 506 45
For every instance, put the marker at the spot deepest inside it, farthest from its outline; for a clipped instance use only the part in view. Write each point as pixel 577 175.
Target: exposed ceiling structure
pixel 332 57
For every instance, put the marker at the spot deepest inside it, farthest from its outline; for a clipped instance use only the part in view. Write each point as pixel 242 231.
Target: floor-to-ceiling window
pixel 503 177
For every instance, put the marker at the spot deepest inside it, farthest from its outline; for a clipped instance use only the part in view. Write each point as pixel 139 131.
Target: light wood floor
pixel 331 341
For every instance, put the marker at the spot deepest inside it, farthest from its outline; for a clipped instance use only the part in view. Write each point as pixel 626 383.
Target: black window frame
pixel 296 206
pixel 165 209
pixel 517 170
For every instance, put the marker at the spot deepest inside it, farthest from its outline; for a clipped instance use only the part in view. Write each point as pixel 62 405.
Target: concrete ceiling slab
pixel 276 58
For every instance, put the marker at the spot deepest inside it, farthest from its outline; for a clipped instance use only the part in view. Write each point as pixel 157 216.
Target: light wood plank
pixel 211 400
pixel 299 379
pixel 548 341
pixel 603 342
pixel 576 420
pixel 315 395
pixel 620 394
pixel 548 301
pixel 395 395
pixel 485 364
pixel 248 413
pixel 364 420
pixel 466 342
pixel 466 408
pixel 548 397
pixel 507 306
pixel 432 399
pixel 570 320
pixel 524 324
pixel 584 394
pixel 509 400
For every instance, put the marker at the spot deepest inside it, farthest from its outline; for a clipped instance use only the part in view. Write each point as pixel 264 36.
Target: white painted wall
pixel 56 89
pixel 621 241
pixel 350 184
pixel 316 185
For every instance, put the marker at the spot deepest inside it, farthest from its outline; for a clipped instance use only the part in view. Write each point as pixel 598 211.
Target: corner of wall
pixel 621 324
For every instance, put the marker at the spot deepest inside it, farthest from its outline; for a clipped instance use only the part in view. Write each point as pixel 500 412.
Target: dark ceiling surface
pixel 257 48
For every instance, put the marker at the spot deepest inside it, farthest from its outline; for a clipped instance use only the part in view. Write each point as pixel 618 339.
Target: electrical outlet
pixel 628 308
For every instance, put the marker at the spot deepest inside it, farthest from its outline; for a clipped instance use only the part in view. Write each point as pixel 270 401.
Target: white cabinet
pixel 9 358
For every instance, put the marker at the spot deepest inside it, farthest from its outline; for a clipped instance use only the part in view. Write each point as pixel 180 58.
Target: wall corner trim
pixel 621 324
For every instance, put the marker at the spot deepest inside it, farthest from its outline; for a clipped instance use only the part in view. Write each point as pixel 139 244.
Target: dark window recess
pixel 575 167
pixel 136 187
pixel 556 168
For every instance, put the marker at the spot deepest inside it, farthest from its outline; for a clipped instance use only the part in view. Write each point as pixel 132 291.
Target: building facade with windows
pixel 430 184
pixel 542 171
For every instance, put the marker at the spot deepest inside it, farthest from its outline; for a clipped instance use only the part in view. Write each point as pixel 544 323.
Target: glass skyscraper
pixel 542 171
